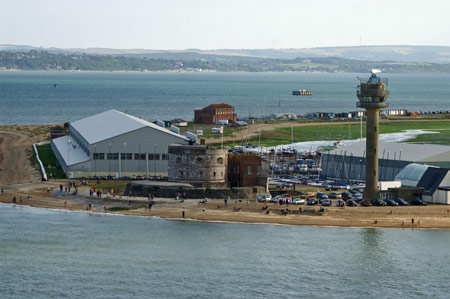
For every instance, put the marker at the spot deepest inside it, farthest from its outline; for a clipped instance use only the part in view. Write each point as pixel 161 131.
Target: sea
pixel 50 97
pixel 61 254
pixel 48 253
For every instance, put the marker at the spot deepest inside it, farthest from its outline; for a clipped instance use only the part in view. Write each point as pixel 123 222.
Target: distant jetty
pixel 302 92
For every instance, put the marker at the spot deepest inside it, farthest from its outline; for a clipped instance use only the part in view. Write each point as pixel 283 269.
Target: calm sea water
pixel 30 98
pixel 59 254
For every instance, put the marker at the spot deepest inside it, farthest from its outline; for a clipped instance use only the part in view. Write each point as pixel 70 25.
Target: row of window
pixel 129 156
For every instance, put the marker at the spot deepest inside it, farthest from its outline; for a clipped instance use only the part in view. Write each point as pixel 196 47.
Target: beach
pixel 246 211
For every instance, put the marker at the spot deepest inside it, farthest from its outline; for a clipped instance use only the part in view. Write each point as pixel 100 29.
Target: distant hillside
pixel 36 60
pixel 432 54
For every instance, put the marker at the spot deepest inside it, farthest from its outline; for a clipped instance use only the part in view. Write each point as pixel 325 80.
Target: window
pixel 153 156
pixel 199 160
pixel 178 160
pixel 375 128
pixel 139 156
pixel 126 156
pixel 249 169
pixel 201 172
pixel 180 173
pixel 220 160
pixel 113 156
pixel 164 157
pixel 214 174
pixel 258 170
pixel 99 156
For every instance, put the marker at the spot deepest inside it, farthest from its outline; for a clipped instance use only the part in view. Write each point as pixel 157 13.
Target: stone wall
pixel 215 193
pixel 198 165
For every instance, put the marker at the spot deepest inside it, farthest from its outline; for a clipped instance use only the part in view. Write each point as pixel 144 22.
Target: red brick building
pixel 247 170
pixel 214 113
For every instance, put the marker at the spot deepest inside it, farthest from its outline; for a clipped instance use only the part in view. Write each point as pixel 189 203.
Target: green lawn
pixel 341 132
pixel 50 162
pixel 46 155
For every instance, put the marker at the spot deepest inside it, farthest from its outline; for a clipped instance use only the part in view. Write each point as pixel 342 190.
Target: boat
pixel 302 92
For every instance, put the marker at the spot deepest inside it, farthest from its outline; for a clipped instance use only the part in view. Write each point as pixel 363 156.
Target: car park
pixel 400 201
pixel 418 202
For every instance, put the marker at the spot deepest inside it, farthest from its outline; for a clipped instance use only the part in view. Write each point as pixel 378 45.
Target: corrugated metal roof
pixel 431 179
pixel 70 152
pixel 112 123
pixel 409 151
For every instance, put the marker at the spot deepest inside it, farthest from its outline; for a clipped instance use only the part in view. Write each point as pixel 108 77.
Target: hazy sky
pixel 214 24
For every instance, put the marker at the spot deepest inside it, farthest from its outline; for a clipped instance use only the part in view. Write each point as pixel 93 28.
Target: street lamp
pixel 95 160
pixel 109 158
pixel 126 156
pixel 68 154
pixel 154 158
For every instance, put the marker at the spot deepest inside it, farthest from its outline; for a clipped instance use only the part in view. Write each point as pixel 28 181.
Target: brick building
pixel 247 170
pixel 215 113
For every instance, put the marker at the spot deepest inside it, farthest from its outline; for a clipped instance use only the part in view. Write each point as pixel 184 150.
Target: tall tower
pixel 372 95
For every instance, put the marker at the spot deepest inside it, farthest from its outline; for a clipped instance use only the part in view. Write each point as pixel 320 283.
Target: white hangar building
pixel 115 144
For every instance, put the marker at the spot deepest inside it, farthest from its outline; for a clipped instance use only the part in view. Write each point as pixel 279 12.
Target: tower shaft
pixel 372 135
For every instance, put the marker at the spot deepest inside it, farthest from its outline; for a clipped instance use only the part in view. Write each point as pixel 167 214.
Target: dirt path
pixel 252 130
pixel 15 149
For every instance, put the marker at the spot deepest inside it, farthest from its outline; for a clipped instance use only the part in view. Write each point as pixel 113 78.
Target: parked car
pixel 321 195
pixel 308 195
pixel 400 201
pixel 351 203
pixel 340 203
pixel 263 197
pixel 418 202
pixel 378 202
pixel 391 202
pixel 312 201
pixel 298 201
pixel 335 195
pixel 326 202
pixel 358 197
pixel 365 203
pixel 332 187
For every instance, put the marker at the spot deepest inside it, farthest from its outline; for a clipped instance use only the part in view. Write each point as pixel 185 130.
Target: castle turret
pixel 372 95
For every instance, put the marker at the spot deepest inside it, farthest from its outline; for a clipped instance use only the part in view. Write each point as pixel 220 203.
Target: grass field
pixel 352 131
pixel 46 155
pixel 50 162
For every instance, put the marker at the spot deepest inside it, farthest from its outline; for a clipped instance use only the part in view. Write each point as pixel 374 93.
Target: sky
pixel 225 24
